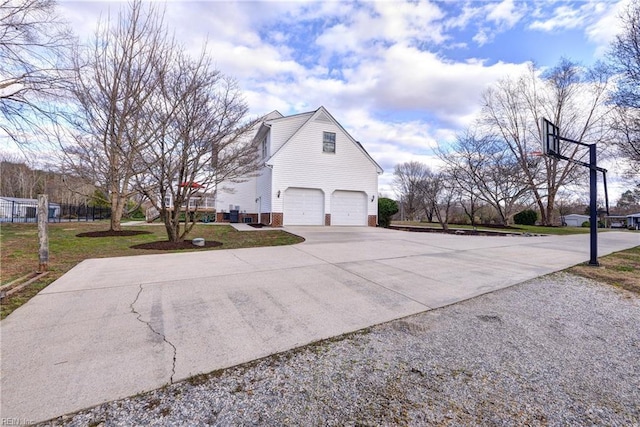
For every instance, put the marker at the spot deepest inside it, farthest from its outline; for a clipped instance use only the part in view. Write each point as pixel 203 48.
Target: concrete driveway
pixel 114 327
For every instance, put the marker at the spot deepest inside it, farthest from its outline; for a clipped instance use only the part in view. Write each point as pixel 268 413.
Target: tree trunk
pixel 117 208
pixel 550 208
pixel 172 229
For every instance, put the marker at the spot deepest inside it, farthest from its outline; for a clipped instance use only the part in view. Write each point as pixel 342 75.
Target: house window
pixel 264 148
pixel 328 142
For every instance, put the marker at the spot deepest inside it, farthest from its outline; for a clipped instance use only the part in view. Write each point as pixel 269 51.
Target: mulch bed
pixel 112 233
pixel 163 245
pixel 166 245
pixel 464 232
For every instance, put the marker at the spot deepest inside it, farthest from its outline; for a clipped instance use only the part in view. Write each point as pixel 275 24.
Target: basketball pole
pixel 593 207
pixel 550 132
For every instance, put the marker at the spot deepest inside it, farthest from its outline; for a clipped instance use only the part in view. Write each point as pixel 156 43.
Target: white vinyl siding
pixel 301 164
pixel 295 160
pixel 241 194
pixel 348 208
pixel 282 129
pixel 264 191
pixel 303 206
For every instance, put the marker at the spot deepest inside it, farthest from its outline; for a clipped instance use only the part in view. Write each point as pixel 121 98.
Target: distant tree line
pixel 22 181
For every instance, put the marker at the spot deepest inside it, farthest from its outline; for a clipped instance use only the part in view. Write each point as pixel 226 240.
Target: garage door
pixel 348 208
pixel 303 206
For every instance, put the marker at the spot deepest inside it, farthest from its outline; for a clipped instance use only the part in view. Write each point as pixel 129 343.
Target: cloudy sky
pixel 399 76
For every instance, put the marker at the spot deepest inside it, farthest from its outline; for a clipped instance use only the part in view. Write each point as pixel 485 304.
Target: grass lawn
pixel 620 269
pixel 19 248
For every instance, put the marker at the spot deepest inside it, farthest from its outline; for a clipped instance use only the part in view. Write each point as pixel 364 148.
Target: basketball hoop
pixel 537 153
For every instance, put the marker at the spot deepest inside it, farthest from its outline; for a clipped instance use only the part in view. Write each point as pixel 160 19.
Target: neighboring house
pixel 633 221
pixel 616 221
pixel 14 209
pixel 313 173
pixel 575 220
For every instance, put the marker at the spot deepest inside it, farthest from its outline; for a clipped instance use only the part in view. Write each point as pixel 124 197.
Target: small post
pixel 43 233
pixel 593 209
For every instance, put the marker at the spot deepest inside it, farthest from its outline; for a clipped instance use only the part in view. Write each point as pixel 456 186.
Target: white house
pixel 201 200
pixel 313 173
pixel 575 220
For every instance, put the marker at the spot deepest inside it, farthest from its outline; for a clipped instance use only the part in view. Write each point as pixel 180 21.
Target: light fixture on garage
pixel 373 198
pixel 278 194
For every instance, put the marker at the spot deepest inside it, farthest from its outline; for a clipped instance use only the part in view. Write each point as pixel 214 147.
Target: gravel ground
pixel 557 350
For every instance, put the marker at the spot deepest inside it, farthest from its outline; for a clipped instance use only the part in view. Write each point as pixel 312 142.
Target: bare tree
pixel 408 179
pixel 437 193
pixel 18 178
pixel 625 58
pixel 483 168
pixel 35 70
pixel 201 141
pixel 571 97
pixel 115 85
pixel 629 201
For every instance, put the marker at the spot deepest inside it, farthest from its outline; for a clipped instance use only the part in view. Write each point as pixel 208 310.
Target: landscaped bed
pixel 457 231
pixel 489 229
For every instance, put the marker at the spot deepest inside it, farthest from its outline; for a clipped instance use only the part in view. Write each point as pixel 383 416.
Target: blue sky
pixel 401 77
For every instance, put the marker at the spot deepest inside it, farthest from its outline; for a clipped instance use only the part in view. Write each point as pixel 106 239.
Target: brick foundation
pixel 220 217
pixel 276 219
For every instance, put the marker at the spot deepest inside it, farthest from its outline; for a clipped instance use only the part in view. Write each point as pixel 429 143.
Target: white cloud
pixel 603 31
pixel 412 79
pixel 598 18
pixel 481 37
pixel 563 17
pixel 506 13
pixel 373 65
pixel 383 22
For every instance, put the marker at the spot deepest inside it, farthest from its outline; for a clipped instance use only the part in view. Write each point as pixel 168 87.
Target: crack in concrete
pixel 164 338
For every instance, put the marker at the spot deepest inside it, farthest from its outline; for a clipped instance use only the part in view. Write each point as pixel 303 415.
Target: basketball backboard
pixel 549 136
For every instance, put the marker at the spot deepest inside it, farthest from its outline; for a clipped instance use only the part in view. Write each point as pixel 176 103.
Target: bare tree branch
pixel 115 86
pixel 35 69
pixel 571 97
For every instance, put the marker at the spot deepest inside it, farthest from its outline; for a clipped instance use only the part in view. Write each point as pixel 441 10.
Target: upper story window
pixel 328 142
pixel 264 148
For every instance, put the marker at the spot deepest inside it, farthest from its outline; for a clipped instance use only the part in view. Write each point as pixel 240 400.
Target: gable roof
pixel 321 114
pixel 296 123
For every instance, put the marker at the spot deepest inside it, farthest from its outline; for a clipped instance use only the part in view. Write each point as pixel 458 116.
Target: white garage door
pixel 348 208
pixel 303 206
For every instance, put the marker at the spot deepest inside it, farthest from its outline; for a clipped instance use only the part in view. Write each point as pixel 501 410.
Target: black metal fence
pixel 25 210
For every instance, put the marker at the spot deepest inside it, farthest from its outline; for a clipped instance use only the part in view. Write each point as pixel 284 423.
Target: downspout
pixel 259 201
pixel 270 190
